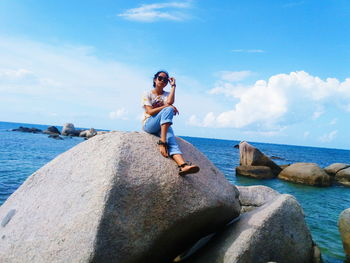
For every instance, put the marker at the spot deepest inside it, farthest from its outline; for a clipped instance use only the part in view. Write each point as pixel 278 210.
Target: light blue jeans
pixel 153 123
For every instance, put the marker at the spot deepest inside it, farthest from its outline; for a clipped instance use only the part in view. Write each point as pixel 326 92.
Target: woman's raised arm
pixel 171 97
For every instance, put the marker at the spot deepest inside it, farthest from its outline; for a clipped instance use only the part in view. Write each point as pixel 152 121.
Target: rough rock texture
pixel 114 198
pixel 343 176
pixel 69 130
pixel 88 133
pixel 305 173
pixel 335 167
pixel 250 155
pixel 273 232
pixel 258 172
pixel 344 229
pixel 52 130
pixel 256 195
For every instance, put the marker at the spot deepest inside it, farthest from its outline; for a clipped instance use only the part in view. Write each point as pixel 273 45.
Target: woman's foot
pixel 186 168
pixel 163 148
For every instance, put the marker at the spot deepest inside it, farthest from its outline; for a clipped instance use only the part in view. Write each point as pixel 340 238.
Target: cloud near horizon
pixel 282 100
pixel 173 11
pixel 65 84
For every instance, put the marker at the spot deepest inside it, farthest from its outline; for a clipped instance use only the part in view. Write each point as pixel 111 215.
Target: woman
pixel 159 112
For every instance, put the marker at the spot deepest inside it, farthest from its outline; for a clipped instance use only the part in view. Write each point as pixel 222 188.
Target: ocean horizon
pixel 21 154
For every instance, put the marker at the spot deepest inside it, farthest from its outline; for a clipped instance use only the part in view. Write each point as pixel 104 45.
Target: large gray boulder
pixel 69 130
pixel 335 167
pixel 251 156
pixel 344 229
pixel 258 172
pixel 114 198
pixel 255 196
pixel 343 176
pixel 275 231
pixel 305 173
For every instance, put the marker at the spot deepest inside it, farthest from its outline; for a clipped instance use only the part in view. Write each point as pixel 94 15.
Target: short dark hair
pixel 157 74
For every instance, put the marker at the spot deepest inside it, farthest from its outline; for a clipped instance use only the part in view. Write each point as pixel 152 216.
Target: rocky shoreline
pixel 255 164
pixel 114 198
pixel 68 130
pixel 244 224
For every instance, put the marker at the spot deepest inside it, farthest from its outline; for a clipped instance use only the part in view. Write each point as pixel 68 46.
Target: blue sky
pixel 264 71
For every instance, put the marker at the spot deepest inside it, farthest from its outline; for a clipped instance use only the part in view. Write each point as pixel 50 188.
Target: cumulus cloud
pixel 333 122
pixel 159 11
pixel 282 99
pixel 328 137
pixel 118 114
pixel 234 76
pixel 67 80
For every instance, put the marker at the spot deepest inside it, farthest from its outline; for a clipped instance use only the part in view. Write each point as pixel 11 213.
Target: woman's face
pixel 162 80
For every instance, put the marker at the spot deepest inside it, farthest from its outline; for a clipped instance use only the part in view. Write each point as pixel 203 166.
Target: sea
pixel 21 154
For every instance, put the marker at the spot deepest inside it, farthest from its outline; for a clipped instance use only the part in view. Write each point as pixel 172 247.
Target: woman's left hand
pixel 172 81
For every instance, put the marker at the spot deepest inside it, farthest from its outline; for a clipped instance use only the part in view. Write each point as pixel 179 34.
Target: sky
pixel 261 71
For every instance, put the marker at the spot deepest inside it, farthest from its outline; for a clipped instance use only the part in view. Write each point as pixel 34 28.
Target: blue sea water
pixel 21 154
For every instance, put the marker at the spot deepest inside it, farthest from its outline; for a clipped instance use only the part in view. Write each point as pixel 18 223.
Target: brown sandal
pixel 161 143
pixel 192 169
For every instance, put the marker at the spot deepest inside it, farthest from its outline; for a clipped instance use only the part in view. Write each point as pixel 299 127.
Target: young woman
pixel 159 112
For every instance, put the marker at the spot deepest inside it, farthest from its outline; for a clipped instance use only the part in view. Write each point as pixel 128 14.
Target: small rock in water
pixel 51 130
pixel 55 136
pixel 26 129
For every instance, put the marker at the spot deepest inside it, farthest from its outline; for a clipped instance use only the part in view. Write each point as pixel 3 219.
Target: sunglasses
pixel 164 79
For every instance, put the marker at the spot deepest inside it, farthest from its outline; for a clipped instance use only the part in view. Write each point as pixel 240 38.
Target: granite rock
pixel 305 173
pixel 343 176
pixel 114 198
pixel 273 232
pixel 258 172
pixel 344 229
pixel 251 156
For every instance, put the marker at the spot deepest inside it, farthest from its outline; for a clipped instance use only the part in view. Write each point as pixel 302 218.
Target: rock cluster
pixel 254 163
pixel 273 230
pixel 67 130
pixel 114 198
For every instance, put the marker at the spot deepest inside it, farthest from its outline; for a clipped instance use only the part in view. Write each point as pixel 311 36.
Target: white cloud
pixel 306 134
pixel 68 80
pixel 118 114
pixel 234 76
pixel 333 122
pixel 328 137
pixel 317 114
pixel 158 11
pixel 283 99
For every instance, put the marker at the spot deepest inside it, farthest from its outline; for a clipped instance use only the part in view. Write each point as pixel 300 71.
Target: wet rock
pixel 343 176
pixel 55 136
pixel 335 167
pixel 258 172
pixel 26 129
pixel 251 156
pixel 114 198
pixel 52 130
pixel 305 173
